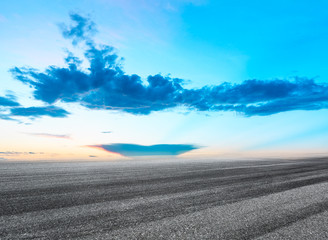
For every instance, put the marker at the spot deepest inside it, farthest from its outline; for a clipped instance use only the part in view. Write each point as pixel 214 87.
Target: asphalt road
pixel 272 199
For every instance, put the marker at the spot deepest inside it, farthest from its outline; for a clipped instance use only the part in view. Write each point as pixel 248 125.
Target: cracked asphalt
pixel 268 199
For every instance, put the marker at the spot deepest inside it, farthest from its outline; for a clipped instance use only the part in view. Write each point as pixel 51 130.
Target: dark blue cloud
pixel 81 29
pixel 8 102
pixel 258 97
pixel 11 108
pixel 131 150
pixel 50 111
pixel 104 85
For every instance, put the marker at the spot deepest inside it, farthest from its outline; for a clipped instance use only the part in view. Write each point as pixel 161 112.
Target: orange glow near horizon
pixel 103 149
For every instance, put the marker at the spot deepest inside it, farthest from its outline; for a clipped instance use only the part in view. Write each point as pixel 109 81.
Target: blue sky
pixel 201 79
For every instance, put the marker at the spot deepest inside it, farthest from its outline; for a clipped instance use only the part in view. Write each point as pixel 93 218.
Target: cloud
pixel 7 117
pixel 258 97
pixel 104 85
pixel 10 153
pixel 82 29
pixel 11 108
pixel 50 111
pixel 130 150
pixel 49 135
pixel 8 102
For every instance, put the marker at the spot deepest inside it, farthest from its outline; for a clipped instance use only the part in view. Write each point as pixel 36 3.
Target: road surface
pixel 268 199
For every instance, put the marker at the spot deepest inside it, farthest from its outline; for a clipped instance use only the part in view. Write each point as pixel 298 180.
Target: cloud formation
pixel 133 150
pixel 50 111
pixel 8 102
pixel 81 30
pixel 104 85
pixel 7 117
pixel 10 153
pixel 49 135
pixel 10 108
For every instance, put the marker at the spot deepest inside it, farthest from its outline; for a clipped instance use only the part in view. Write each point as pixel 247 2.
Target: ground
pixel 267 199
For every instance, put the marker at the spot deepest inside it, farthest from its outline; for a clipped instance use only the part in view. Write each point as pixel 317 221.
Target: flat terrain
pixel 272 199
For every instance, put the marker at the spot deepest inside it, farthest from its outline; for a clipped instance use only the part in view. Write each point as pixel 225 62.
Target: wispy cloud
pixel 10 108
pixel 130 150
pixel 7 117
pixel 49 135
pixel 106 132
pixel 8 101
pixel 10 153
pixel 50 111
pixel 104 85
pixel 81 30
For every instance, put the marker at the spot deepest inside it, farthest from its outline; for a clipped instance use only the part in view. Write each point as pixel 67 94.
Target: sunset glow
pixel 115 80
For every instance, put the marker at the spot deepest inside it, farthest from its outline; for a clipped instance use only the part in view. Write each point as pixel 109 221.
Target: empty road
pixel 269 199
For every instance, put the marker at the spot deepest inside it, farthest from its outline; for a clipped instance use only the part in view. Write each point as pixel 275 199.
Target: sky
pixel 185 79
